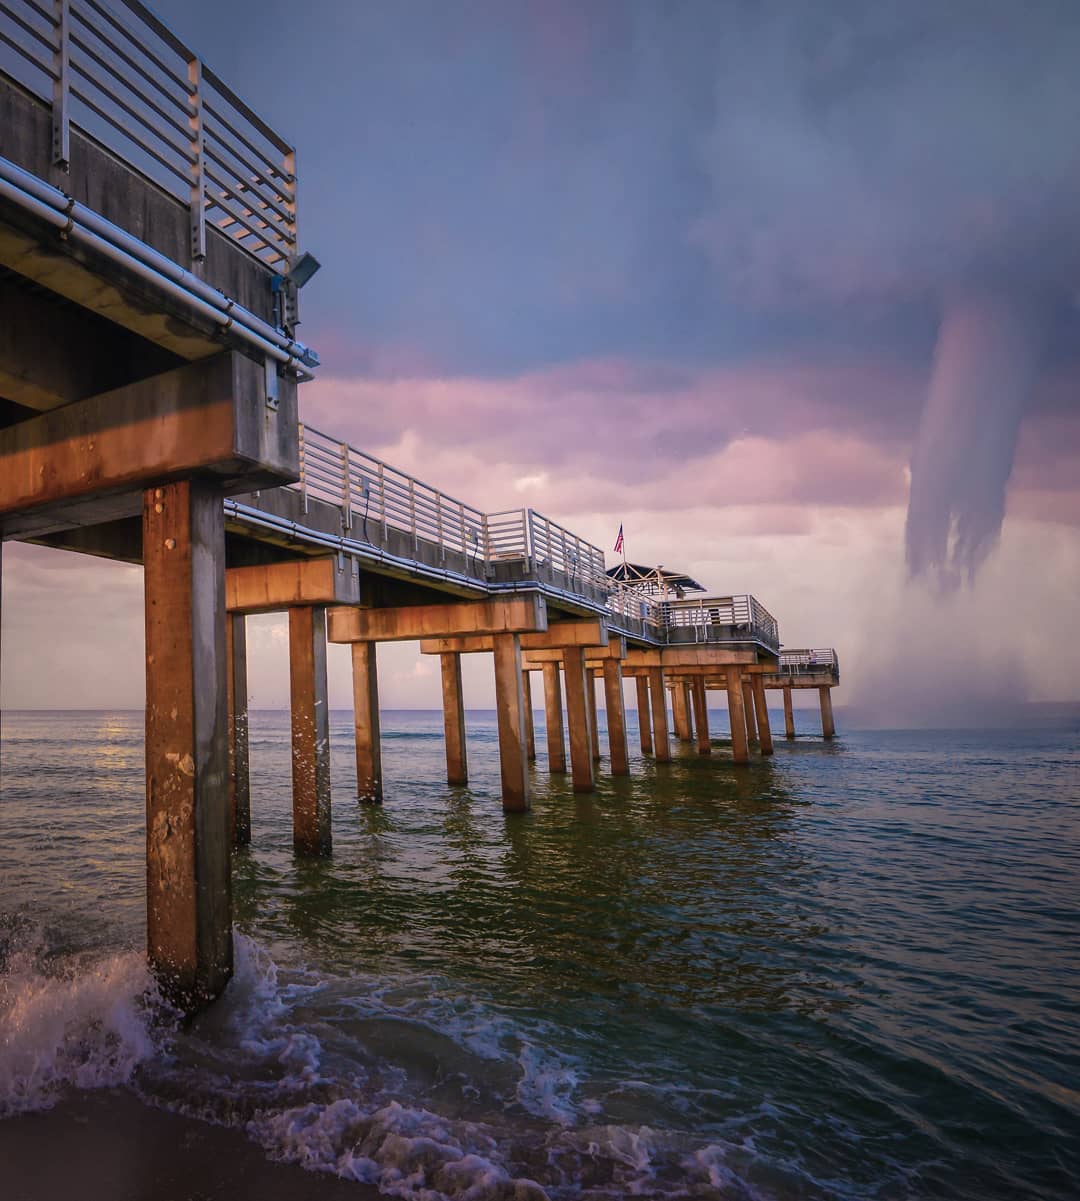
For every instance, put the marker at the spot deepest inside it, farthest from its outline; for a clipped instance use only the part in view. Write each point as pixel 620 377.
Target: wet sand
pixel 108 1146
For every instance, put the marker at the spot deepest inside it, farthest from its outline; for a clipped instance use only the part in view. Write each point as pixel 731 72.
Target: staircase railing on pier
pixel 114 70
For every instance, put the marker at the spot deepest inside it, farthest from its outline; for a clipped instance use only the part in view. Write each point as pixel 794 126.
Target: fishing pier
pixel 150 270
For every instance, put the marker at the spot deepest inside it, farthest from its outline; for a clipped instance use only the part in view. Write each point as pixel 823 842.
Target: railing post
pixel 486 530
pixel 382 502
pixel 303 466
pixel 346 487
pixel 464 534
pixel 197 169
pixel 439 526
pixel 288 164
pixel 61 125
pixel 412 515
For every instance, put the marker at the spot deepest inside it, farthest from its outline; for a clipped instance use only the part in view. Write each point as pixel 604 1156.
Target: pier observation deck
pixel 150 269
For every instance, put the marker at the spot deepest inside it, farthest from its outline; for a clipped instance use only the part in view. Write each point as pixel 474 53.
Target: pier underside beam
pixel 90 460
pixel 701 715
pixel 510 709
pixel 457 763
pixel 310 730
pixel 365 674
pixel 553 719
pixel 616 718
pixel 644 715
pixel 239 763
pixel 740 750
pixel 578 684
pixel 509 615
pixel 270 587
pixel 658 694
pixel 789 715
pixel 828 726
pixel 592 633
pixel 761 711
pixel 188 882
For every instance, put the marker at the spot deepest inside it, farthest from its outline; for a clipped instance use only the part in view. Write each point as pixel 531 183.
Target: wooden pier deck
pixel 149 372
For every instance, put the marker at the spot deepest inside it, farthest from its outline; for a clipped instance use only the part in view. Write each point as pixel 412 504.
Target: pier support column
pixel 789 715
pixel 761 708
pixel 553 719
pixel 530 731
pixel 644 716
pixel 748 709
pixel 828 728
pixel 616 718
pixel 365 681
pixel 577 718
pixel 661 737
pixel 510 707
pixel 680 711
pixel 310 730
pixel 239 763
pixel 740 751
pixel 701 716
pixel 188 880
pixel 594 716
pixel 457 765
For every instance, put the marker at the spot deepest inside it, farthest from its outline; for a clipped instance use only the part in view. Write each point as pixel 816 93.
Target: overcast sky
pixel 687 267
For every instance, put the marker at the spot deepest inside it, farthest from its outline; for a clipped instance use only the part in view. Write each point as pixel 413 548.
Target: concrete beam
pixel 208 417
pixel 613 647
pixel 326 580
pixel 501 615
pixel 557 635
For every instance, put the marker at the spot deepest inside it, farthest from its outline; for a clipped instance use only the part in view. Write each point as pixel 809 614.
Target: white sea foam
pixel 88 1025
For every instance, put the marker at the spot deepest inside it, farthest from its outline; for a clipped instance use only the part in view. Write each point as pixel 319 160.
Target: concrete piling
pixel 510 708
pixel 310 709
pixel 789 715
pixel 553 719
pixel 828 726
pixel 239 761
pixel 616 718
pixel 644 715
pixel 578 718
pixel 365 673
pixel 701 715
pixel 740 750
pixel 457 765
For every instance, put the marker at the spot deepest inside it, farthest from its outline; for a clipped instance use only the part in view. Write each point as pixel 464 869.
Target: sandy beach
pixel 108 1146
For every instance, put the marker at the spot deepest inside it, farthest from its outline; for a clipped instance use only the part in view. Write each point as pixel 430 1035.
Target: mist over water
pixel 847 973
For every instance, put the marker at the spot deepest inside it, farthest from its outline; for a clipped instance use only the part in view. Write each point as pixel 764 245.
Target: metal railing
pixel 810 660
pixel 374 498
pixel 745 614
pixel 118 73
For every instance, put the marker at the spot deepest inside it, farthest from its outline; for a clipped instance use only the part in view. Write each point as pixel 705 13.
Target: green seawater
pixel 851 971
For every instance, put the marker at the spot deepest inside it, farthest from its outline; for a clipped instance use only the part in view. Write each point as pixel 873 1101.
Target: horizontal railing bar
pixel 43 12
pixel 105 116
pixel 225 201
pixel 169 38
pixel 19 48
pixel 105 65
pixel 131 111
pixel 244 185
pixel 249 114
pixel 261 174
pixel 232 218
pixel 211 110
pixel 184 105
pixel 30 29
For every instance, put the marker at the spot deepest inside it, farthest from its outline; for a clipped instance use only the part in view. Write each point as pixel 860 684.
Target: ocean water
pixel 851 972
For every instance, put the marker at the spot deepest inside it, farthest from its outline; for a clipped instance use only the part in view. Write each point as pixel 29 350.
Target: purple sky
pixel 683 267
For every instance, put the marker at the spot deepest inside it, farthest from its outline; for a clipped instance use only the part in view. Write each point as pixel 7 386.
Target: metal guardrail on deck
pixel 113 69
pixel 375 496
pixel 809 660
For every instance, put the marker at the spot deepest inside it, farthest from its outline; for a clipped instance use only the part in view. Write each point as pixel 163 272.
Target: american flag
pixel 618 541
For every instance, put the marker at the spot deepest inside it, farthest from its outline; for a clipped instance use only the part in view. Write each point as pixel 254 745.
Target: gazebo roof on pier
pixel 656 580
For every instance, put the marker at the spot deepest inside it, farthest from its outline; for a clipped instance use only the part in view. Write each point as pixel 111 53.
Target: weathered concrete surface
pixel 530 732
pixel 328 580
pixel 188 891
pixel 310 711
pixel 90 460
pixel 546 645
pixel 578 718
pixel 591 676
pixel 616 718
pixel 510 710
pixel 553 719
pixel 457 763
pixel 789 715
pixel 239 763
pixel 748 709
pixel 740 748
pixel 701 715
pixel 828 726
pixel 661 736
pixel 761 710
pixel 680 709
pixel 510 615
pixel 369 781
pixel 119 193
pixel 644 714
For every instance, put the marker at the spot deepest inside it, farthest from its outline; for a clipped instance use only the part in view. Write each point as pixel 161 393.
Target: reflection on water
pixel 850 971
